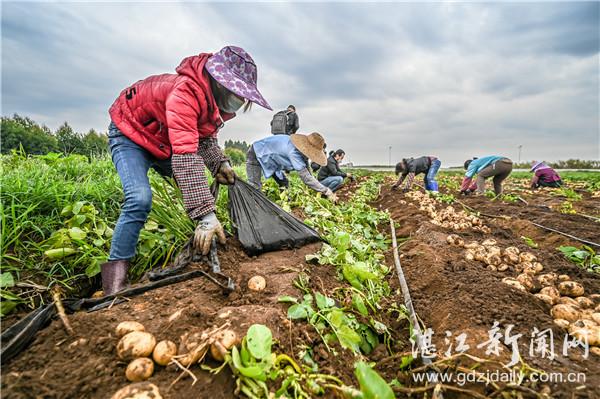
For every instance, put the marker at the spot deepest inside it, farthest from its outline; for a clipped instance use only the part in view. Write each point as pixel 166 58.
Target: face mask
pixel 232 104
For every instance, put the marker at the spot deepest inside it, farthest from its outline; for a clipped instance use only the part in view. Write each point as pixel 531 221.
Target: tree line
pixel 568 164
pixel 22 132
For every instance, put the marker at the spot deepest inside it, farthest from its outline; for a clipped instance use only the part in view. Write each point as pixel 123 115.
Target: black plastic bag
pixel 262 226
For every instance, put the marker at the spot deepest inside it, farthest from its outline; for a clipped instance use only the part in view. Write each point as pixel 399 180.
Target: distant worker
pixel 408 168
pixel 494 166
pixel 544 176
pixel 282 153
pixel 285 122
pixel 331 175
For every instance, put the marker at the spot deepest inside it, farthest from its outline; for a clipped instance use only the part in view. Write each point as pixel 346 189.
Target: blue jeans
pixel 132 163
pixel 333 182
pixel 433 169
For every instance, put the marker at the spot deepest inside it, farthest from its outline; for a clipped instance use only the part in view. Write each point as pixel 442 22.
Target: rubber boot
pixel 114 276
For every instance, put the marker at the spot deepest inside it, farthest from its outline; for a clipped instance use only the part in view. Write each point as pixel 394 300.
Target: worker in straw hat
pixel 283 153
pixel 170 123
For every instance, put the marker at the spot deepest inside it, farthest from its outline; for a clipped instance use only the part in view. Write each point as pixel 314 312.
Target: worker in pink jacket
pixel 170 123
pixel 544 176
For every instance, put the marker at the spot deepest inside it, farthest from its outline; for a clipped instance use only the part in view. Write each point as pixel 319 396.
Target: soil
pixel 452 294
pixel 449 294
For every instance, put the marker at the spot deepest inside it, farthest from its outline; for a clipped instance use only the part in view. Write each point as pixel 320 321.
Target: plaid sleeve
pixel 188 170
pixel 409 180
pixel 212 154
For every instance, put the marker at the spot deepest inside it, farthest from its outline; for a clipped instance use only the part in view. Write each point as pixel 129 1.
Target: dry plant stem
pixel 61 312
pixel 185 371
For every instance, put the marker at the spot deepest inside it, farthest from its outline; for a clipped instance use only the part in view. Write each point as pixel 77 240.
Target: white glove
pixel 331 196
pixel 207 227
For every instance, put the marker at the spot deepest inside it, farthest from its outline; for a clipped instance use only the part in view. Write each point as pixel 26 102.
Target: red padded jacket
pixel 168 114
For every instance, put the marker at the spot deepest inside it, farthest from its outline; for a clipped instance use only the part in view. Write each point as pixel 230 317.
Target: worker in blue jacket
pixel 495 166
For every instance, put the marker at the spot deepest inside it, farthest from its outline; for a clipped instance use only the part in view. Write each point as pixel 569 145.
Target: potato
pixel 490 242
pixel 139 369
pixel 459 242
pixel 570 288
pixel 491 268
pixel 527 257
pixel 595 350
pixel 136 344
pixel 257 283
pixel 480 255
pixel 538 267
pixel 472 245
pixel 545 298
pixel 564 277
pixel 566 312
pixel 494 251
pixel 565 300
pixel 451 239
pixel 502 267
pixel 562 323
pixel 469 254
pixel 511 250
pixel 582 323
pixel 584 303
pixel 525 280
pixel 595 298
pixel 513 283
pixel 547 279
pixel 139 390
pixel 551 292
pixel 164 352
pixel 493 260
pixel 126 327
pixel 589 334
pixel 596 318
pixel 226 340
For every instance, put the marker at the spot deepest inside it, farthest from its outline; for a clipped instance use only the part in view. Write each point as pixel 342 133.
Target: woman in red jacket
pixel 169 123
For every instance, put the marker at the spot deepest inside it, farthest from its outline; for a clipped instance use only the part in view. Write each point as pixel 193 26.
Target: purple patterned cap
pixel 235 69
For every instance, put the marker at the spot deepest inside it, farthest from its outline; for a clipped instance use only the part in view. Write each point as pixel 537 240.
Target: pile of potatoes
pixel 496 258
pixel 142 351
pixel 447 217
pixel 571 310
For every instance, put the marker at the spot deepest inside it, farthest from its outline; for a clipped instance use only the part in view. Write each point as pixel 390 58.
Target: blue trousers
pixel 132 163
pixel 333 182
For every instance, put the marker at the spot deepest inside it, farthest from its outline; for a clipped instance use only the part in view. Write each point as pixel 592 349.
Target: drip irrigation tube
pixel 409 305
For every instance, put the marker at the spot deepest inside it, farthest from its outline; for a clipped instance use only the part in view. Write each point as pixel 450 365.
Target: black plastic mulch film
pixel 259 224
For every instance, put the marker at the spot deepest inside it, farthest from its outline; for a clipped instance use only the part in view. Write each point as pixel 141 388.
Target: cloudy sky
pixel 452 80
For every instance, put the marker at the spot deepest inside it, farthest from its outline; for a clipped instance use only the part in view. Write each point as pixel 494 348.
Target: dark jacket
pixel 417 165
pixel 332 169
pixel 293 123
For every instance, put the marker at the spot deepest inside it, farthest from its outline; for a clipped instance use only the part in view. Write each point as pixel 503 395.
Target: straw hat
pixel 311 146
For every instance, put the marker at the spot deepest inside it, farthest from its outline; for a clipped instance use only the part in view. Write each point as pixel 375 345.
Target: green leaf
pixel 259 340
pixel 151 225
pixel 66 211
pixel 6 307
pixel 99 242
pixel 297 312
pixel 323 302
pixel 6 280
pixel 77 207
pixel 287 299
pixel 77 234
pixel 250 372
pixel 59 253
pixel 9 295
pixel 349 338
pixel 371 384
pixel 359 304
pixel 93 269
